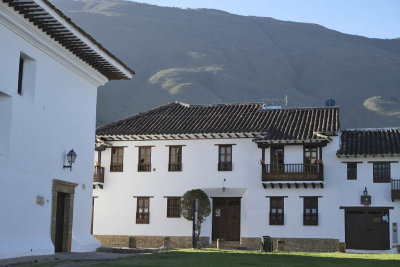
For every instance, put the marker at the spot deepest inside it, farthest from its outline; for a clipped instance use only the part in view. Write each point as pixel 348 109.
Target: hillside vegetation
pixel 203 56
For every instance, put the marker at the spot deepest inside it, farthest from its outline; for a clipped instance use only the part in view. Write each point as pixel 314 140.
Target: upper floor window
pixel 310 211
pixel 351 171
pixel 20 74
pixel 173 207
pixel 310 154
pixel 381 172
pixel 175 158
pixel 26 76
pixel 143 210
pixel 276 211
pixel 277 159
pixel 117 159
pixel 144 164
pixel 225 158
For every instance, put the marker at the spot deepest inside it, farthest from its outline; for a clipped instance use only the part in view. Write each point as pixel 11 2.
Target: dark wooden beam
pixel 265 186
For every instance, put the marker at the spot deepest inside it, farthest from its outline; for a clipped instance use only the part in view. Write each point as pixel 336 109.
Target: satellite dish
pixel 330 102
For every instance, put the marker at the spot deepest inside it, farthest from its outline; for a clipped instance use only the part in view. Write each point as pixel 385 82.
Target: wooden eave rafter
pixel 365 155
pixel 38 15
pixel 144 137
pixel 295 184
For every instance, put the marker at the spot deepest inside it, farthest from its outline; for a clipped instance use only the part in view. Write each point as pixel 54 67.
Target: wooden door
pixel 367 228
pixel 277 159
pixel 226 219
pixel 356 229
pixel 378 230
pixel 60 218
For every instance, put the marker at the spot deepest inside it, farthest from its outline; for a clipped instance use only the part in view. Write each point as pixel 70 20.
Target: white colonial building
pixel 49 73
pixel 289 173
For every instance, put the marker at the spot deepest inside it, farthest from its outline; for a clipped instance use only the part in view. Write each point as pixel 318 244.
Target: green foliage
pixel 260 58
pixel 204 208
pixel 187 205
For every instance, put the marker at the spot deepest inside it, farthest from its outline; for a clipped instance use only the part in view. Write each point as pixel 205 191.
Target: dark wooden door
pixel 367 228
pixel 226 219
pixel 60 213
pixel 378 230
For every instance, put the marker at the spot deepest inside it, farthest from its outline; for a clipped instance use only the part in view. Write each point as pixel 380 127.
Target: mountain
pixel 203 56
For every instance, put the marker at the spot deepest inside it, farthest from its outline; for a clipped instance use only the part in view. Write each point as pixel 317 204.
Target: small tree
pixel 204 208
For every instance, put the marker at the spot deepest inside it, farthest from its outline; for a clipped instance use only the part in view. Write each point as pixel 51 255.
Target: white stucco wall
pixel 115 205
pixel 55 115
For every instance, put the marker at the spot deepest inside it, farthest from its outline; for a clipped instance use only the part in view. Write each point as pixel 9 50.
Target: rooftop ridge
pixel 247 103
pixel 370 129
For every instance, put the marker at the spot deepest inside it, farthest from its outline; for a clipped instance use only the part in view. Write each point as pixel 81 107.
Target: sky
pixel 370 18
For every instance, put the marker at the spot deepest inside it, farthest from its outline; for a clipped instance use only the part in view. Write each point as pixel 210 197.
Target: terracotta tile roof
pixel 35 12
pixel 278 124
pixel 364 142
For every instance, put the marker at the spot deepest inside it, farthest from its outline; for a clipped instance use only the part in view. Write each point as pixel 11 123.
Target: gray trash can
pixel 266 244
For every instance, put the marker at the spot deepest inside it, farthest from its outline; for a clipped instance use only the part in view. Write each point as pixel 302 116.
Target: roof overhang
pixel 44 16
pixel 318 139
pixel 145 137
pixel 225 192
pixel 366 155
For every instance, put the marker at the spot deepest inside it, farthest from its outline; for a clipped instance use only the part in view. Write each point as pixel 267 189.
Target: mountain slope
pixel 210 56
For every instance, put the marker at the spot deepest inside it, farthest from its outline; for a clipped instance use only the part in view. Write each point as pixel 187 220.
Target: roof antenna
pixel 269 103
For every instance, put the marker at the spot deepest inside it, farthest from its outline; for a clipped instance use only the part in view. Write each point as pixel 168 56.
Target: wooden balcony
pixel 395 185
pixel 175 167
pixel 144 167
pixel 98 176
pixel 224 166
pixel 292 172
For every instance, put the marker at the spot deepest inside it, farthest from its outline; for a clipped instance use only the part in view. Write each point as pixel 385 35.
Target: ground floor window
pixel 276 214
pixel 310 211
pixel 173 207
pixel 143 210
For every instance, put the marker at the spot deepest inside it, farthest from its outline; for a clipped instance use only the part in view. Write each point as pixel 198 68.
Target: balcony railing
pixel 395 185
pixel 292 172
pixel 224 166
pixel 144 167
pixel 98 176
pixel 116 168
pixel 175 167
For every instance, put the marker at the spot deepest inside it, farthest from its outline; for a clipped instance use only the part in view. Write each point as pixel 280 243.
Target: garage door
pixel 367 228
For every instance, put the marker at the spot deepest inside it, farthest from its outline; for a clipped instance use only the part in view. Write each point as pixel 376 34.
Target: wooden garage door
pixel 367 228
pixel 226 219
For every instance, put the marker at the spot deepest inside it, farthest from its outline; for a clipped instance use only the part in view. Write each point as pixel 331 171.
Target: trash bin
pixel 266 244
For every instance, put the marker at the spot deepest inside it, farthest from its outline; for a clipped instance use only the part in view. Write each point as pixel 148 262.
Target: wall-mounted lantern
pixel 365 198
pixel 71 157
pixel 223 185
